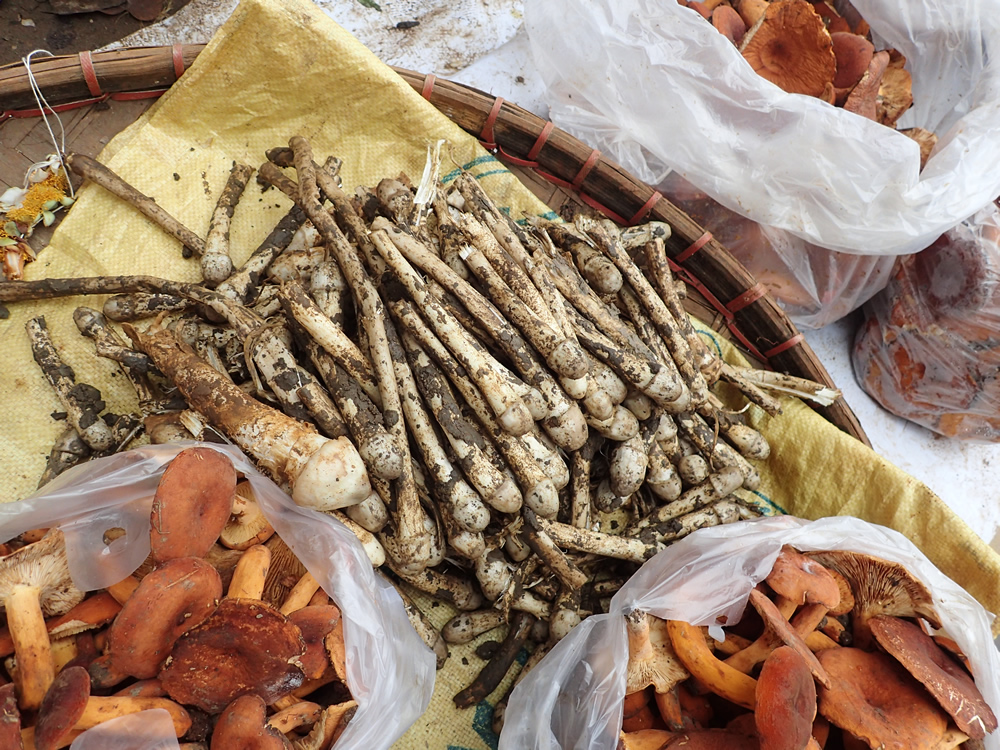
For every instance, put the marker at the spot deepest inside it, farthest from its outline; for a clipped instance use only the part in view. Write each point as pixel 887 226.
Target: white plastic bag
pixel 390 672
pixel 655 86
pixel 573 697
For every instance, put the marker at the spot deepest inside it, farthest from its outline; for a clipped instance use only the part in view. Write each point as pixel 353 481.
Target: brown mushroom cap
pixel 62 707
pixel 651 657
pixel 192 504
pixel 694 739
pixel 244 647
pixel 880 588
pixel 171 600
pixel 863 98
pixel 875 699
pixel 950 685
pixel 802 580
pixel 315 623
pixel 728 23
pixel 854 54
pixel 790 47
pixel 243 724
pixel 247 524
pixel 10 719
pixel 786 701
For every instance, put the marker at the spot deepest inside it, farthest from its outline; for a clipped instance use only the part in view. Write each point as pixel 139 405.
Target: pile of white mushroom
pixel 495 409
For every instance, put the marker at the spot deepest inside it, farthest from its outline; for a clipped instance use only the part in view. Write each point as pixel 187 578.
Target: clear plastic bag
pixel 390 671
pixel 929 349
pixel 573 697
pixel 656 87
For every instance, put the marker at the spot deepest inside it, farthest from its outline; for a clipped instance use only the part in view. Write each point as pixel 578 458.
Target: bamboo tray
pixel 560 169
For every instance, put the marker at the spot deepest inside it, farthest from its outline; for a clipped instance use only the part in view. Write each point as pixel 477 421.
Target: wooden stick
pixel 82 402
pixel 96 172
pixel 493 673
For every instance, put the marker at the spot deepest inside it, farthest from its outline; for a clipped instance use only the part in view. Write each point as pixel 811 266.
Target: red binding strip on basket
pixel 588 165
pixel 645 208
pixel 89 74
pixel 746 299
pixel 540 142
pixel 428 87
pixel 796 339
pixel 694 247
pixel 177 55
pixel 127 96
pixel 486 136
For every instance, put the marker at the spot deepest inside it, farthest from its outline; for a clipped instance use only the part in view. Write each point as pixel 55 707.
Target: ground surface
pixel 27 25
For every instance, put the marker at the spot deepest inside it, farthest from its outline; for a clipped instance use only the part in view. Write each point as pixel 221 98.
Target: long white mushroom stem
pixel 539 491
pixel 322 473
pixel 511 412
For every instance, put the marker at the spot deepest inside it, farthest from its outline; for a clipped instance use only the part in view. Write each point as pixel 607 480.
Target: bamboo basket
pixel 559 168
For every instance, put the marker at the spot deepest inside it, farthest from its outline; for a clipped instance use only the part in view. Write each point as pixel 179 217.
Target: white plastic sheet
pixel 655 86
pixel 573 697
pixel 390 671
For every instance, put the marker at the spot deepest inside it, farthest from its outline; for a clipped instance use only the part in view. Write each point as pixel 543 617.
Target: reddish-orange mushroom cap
pixel 786 701
pixel 873 698
pixel 244 647
pixel 169 601
pixel 192 504
pixel 802 580
pixel 243 724
pixel 950 685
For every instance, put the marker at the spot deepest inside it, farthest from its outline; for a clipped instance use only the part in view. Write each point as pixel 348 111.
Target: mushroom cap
pixel 880 587
pixel 950 685
pixel 778 625
pixel 247 524
pixel 168 602
pixel 863 99
pixel 243 724
pixel 875 699
pixel 790 47
pixel 802 580
pixel 854 54
pixel 42 565
pixel 192 504
pixel 694 739
pixel 61 707
pixel 329 727
pixel 895 94
pixel 315 623
pixel 652 660
pixel 10 719
pixel 786 701
pixel 244 647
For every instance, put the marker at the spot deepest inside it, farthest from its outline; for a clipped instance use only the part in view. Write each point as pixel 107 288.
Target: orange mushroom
pixel 10 719
pixel 880 588
pixel 950 685
pixel 243 647
pixel 895 93
pixel 786 701
pixel 243 724
pixel 864 96
pixel 181 593
pixel 62 707
pixel 315 623
pixel 790 47
pixel 34 582
pixel 872 697
pixel 247 524
pixel 729 23
pixel 854 54
pixel 192 504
